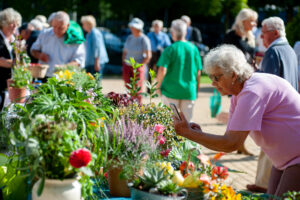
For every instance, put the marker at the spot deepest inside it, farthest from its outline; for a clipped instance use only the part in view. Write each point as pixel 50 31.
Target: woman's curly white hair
pixel 8 16
pixel 230 59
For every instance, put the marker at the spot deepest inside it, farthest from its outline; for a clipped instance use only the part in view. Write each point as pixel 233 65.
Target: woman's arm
pixel 228 142
pixel 147 58
pixel 6 63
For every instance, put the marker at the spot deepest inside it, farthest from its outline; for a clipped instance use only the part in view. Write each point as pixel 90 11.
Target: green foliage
pixel 129 145
pixel 133 88
pixel 151 86
pixel 150 115
pixel 291 195
pixel 45 145
pixel 293 30
pixel 154 179
pixel 13 183
pixel 21 77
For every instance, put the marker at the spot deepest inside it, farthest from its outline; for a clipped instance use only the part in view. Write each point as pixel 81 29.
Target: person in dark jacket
pixel 30 35
pixel 241 34
pixel 193 34
pixel 10 20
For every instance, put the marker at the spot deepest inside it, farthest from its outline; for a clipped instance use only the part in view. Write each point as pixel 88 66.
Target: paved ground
pixel 247 164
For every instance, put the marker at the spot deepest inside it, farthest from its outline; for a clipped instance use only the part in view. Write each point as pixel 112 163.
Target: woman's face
pixel 86 27
pixel 10 29
pixel 221 81
pixel 135 32
pixel 249 24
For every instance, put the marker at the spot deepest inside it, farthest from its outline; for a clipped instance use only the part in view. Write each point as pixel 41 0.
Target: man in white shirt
pixel 50 47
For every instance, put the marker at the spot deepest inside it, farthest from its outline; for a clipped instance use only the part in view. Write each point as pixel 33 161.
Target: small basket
pixel 38 71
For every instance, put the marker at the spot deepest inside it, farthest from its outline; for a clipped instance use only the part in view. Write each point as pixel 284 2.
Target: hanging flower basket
pixel 38 70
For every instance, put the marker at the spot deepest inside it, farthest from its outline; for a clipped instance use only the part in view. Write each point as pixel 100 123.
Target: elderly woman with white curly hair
pixel 264 106
pixel 179 71
pixel 241 34
pixel 10 20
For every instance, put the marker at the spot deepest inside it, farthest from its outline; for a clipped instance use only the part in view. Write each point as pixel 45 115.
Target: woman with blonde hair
pixel 241 34
pixel 242 37
pixel 10 20
pixel 96 55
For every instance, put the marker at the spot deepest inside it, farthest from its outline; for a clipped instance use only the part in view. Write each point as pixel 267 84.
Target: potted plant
pixel 52 151
pixel 21 76
pixel 129 146
pixel 21 79
pixel 156 184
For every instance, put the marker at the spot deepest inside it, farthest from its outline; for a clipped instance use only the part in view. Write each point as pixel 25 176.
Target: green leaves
pixel 132 88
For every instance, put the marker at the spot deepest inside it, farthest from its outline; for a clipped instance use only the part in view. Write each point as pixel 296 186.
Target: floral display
pixel 152 115
pixel 68 129
pixel 120 100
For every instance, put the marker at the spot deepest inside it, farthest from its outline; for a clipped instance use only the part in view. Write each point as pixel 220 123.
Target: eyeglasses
pixel 215 78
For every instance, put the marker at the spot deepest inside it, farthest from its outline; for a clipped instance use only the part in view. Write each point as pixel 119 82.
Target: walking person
pixel 137 46
pixel 179 71
pixel 96 55
pixel 159 41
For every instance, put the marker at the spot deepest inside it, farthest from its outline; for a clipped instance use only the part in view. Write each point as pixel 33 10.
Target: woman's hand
pixel 182 127
pixel 195 126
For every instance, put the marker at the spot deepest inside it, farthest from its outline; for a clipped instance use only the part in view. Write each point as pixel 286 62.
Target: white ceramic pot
pixel 68 189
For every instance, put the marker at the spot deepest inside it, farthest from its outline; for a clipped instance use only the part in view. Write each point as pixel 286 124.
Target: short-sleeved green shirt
pixel 182 60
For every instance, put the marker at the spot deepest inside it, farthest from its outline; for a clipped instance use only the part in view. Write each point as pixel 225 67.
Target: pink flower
pixel 80 158
pixel 165 153
pixel 161 139
pixel 205 179
pixel 204 159
pixel 159 128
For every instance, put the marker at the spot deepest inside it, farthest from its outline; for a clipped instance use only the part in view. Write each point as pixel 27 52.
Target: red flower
pixel 184 168
pixel 105 175
pixel 165 153
pixel 219 172
pixel 80 158
pixel 161 139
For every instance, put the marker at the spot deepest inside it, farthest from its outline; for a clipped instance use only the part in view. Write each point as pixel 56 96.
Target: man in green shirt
pixel 179 71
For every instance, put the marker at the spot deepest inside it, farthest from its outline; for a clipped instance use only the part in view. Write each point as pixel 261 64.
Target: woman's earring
pixel 232 83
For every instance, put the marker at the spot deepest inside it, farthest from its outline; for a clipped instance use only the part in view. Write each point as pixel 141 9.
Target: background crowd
pixel 176 58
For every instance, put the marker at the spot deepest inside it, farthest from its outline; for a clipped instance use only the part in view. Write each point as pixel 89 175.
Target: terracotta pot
pixel 8 82
pixel 117 187
pixel 68 189
pixel 17 95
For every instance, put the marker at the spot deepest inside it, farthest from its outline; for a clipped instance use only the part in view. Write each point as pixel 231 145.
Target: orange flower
pixel 218 156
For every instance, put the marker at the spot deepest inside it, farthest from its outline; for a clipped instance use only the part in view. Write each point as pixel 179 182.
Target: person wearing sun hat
pixel 137 46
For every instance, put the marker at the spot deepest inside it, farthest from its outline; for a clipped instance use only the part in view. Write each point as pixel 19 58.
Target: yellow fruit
pixel 191 181
pixel 178 178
